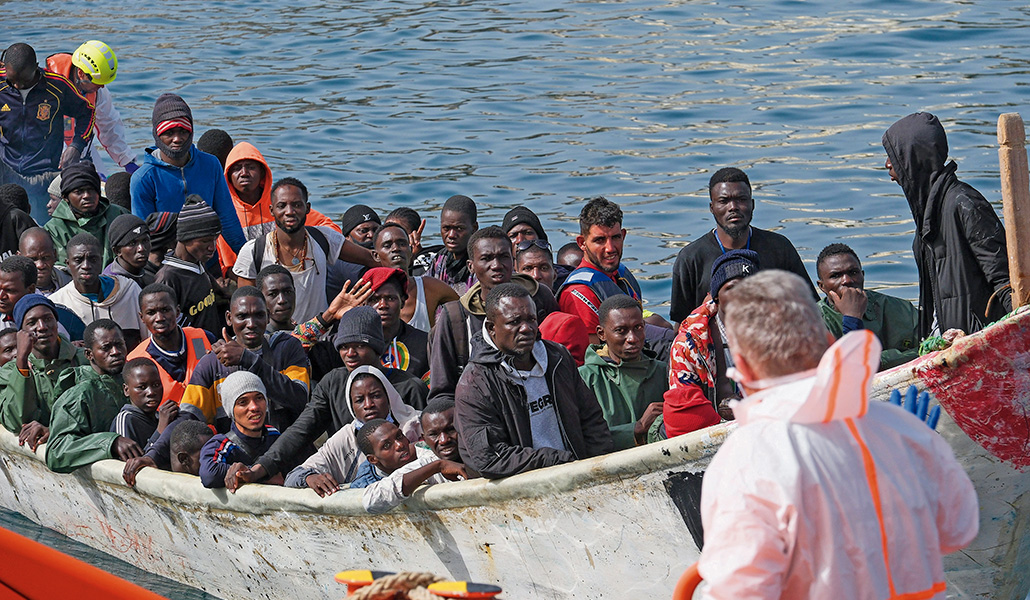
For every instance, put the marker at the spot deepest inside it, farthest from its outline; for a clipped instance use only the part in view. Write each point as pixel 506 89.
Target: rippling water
pixel 395 103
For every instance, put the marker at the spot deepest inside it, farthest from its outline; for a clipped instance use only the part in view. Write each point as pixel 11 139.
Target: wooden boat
pixel 620 526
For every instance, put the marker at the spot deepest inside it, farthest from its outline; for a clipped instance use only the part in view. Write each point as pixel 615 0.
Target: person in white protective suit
pixel 821 493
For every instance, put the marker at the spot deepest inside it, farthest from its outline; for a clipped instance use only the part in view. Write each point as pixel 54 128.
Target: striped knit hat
pixel 171 111
pixel 197 220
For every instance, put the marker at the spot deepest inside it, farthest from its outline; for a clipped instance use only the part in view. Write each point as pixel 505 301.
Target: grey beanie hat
pixel 237 384
pixel 361 324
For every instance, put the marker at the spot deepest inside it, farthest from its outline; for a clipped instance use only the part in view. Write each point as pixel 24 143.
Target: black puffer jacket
pixel 960 242
pixel 490 414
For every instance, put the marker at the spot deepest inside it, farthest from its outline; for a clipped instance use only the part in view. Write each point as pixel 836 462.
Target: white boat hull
pixel 620 526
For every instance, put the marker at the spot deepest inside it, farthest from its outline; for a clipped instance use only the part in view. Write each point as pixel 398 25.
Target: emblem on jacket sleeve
pixel 43 112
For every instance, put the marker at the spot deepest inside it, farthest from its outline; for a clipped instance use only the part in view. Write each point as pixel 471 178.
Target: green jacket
pixel 80 428
pixel 64 225
pixel 624 390
pixel 26 399
pixel 894 321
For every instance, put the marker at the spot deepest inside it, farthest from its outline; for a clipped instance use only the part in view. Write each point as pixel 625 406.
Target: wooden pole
pixel 1015 199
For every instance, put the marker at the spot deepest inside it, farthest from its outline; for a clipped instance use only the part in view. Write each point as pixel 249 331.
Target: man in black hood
pixel 960 242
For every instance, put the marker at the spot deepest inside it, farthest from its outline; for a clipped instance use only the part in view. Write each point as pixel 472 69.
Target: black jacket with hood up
pixel 960 242
pixel 492 419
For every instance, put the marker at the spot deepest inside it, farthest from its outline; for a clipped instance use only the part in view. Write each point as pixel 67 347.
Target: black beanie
pixel 116 189
pixel 167 108
pixel 356 215
pixel 361 324
pixel 731 265
pixel 126 228
pixel 78 175
pixel 521 214
pixel 197 220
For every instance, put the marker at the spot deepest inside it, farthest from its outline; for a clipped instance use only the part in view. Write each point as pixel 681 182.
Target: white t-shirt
pixel 309 278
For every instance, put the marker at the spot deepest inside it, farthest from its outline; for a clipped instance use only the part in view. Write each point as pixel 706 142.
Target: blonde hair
pixel 772 321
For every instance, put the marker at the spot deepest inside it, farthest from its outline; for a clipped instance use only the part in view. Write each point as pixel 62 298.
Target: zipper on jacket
pixel 557 413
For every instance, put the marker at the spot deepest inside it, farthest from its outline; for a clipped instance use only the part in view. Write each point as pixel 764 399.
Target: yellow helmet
pixel 97 60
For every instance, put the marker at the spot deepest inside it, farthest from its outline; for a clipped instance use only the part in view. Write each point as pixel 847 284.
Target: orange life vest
pixel 62 65
pixel 197 345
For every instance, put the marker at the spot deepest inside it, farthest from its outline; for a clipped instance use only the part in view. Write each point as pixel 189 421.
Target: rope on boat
pixel 409 585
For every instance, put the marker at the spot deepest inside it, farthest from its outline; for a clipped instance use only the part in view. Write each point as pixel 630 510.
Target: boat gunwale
pixel 690 452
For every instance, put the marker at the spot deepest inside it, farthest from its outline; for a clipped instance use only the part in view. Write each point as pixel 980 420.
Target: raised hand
pixel 415 239
pixel 228 350
pixel 851 302
pixel 166 413
pixel 349 297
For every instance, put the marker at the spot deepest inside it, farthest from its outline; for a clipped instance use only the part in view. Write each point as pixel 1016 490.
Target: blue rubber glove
pixel 131 167
pixel 917 405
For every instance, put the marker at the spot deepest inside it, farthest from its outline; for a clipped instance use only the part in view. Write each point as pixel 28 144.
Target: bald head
pixel 35 237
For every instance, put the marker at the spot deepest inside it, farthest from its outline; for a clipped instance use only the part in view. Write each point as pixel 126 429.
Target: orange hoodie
pixel 257 219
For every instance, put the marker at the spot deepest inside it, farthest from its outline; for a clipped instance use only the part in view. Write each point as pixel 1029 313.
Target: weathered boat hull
pixel 619 526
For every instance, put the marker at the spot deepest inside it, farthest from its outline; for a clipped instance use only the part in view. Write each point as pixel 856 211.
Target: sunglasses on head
pixel 527 244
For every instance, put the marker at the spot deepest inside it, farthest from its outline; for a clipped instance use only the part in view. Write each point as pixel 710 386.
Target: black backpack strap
pixel 238 442
pixel 320 239
pixel 459 329
pixel 259 252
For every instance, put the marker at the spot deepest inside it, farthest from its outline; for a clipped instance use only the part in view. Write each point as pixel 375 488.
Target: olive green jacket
pixel 80 427
pixel 24 399
pixel 894 321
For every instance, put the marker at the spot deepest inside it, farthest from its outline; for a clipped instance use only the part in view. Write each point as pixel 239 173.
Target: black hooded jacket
pixel 959 245
pixel 13 222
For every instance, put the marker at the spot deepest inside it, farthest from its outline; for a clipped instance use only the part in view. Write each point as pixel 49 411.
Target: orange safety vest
pixel 62 65
pixel 197 345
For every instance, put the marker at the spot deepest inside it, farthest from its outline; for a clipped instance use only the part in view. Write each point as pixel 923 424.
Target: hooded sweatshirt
pixel 256 219
pixel 64 225
pixel 121 303
pixel 822 493
pixel 80 426
pixel 959 246
pixel 625 389
pixel 340 456
pixel 13 222
pixel 161 187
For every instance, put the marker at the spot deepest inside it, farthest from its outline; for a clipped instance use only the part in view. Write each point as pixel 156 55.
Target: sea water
pixel 404 103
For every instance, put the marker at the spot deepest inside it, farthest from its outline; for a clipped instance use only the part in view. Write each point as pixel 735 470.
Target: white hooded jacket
pixel 340 456
pixel 821 494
